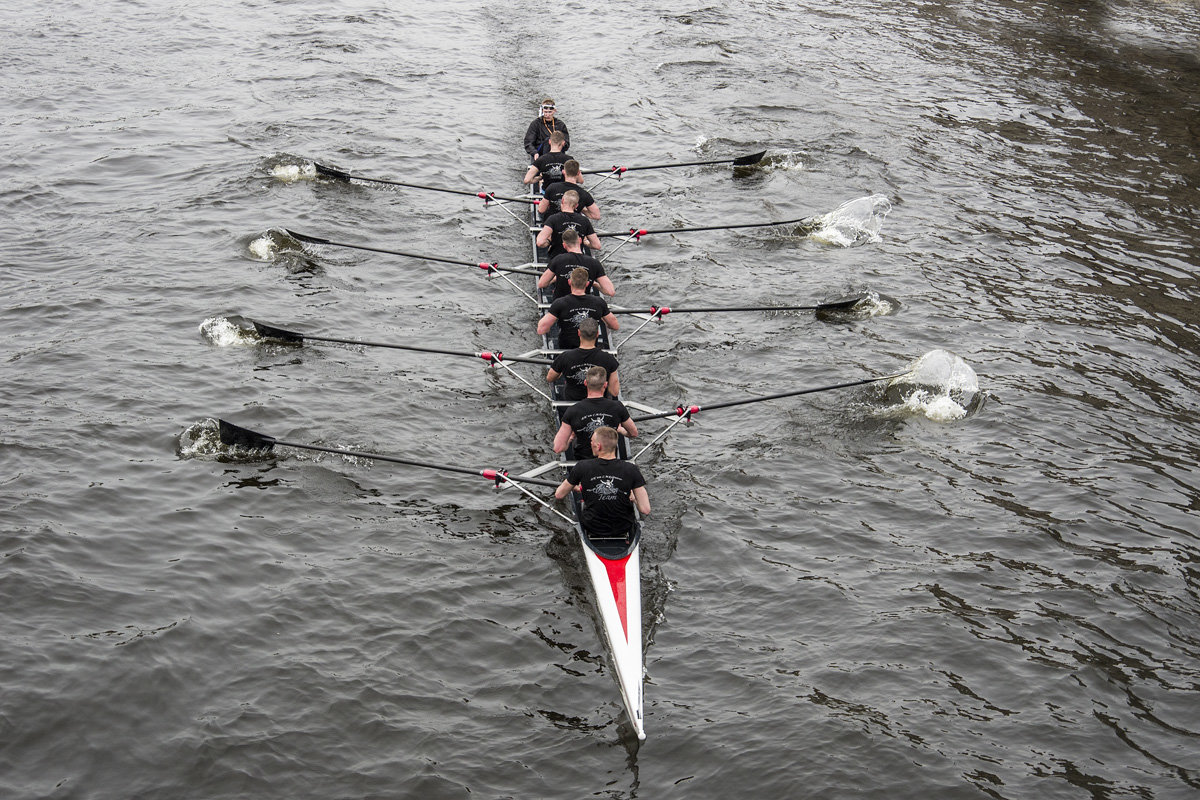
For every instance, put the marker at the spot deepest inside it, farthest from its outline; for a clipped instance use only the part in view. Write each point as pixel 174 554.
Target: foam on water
pixel 290 173
pixel 263 248
pixel 852 223
pixel 939 386
pixel 224 332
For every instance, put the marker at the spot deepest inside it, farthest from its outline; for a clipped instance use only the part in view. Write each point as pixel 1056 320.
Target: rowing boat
pixel 614 565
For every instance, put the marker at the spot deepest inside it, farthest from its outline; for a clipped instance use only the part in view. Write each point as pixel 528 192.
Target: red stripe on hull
pixel 616 579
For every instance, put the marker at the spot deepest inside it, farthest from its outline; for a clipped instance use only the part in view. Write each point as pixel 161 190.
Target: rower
pixel 607 513
pixel 540 129
pixel 573 365
pixel 572 180
pixel 569 217
pixel 571 310
pixel 559 270
pixel 548 167
pixel 594 411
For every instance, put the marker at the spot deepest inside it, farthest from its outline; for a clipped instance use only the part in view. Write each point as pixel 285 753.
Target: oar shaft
pixel 644 232
pixel 487 356
pixel 753 158
pixel 748 400
pixel 407 462
pixel 318 240
pixel 346 176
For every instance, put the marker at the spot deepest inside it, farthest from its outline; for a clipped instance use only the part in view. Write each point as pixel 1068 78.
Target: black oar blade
pixel 745 161
pixel 271 332
pixel 244 437
pixel 330 172
pixel 841 305
pixel 300 237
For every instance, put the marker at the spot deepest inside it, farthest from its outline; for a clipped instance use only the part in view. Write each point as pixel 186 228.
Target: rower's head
pixel 558 140
pixel 589 331
pixel 578 280
pixel 570 200
pixel 571 241
pixel 604 441
pixel 596 380
pixel 548 108
pixel 571 171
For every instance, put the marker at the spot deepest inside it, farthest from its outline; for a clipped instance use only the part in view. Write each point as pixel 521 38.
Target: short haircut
pixel 570 236
pixel 570 166
pixel 548 101
pixel 570 197
pixel 579 278
pixel 558 137
pixel 606 437
pixel 596 378
pixel 589 329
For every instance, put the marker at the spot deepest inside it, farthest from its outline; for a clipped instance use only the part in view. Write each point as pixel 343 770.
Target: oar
pixel 490 357
pixel 244 437
pixel 493 267
pixel 330 172
pixel 688 411
pixel 662 311
pixel 638 233
pixel 740 161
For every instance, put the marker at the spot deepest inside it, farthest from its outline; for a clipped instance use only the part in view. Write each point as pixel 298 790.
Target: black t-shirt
pixel 563 264
pixel 589 414
pixel 538 134
pixel 551 167
pixel 555 191
pixel 606 484
pixel 562 221
pixel 574 364
pixel 572 310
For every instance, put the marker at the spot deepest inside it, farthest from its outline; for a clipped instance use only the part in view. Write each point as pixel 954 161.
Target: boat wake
pixel 940 386
pixel 852 223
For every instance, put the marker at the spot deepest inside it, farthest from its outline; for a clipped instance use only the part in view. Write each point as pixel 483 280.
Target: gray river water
pixel 981 582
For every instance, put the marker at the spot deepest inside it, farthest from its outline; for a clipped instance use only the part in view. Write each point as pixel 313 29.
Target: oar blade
pixel 330 172
pixel 244 437
pixel 272 332
pixel 300 237
pixel 841 305
pixel 745 161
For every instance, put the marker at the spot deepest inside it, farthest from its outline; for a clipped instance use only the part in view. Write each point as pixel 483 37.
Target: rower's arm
pixel 546 278
pixel 640 498
pixel 592 241
pixel 531 175
pixel 629 428
pixel 614 384
pixel 544 237
pixel 552 375
pixel 611 321
pixel 563 437
pixel 565 488
pixel 546 323
pixel 606 285
pixel 543 206
pixel 592 212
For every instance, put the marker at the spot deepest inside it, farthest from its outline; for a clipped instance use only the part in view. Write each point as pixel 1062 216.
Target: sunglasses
pixel 547 108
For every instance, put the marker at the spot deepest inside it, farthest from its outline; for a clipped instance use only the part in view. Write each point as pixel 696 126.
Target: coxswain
pixel 573 365
pixel 570 311
pixel 558 271
pixel 572 180
pixel 610 487
pixel 538 133
pixel 551 233
pixel 591 413
pixel 548 167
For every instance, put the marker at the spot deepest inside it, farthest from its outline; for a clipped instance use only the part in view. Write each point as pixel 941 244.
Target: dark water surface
pixel 859 593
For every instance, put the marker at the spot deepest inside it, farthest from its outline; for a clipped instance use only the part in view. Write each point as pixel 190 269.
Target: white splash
pixel 224 332
pixel 200 440
pixel 290 173
pixel 855 222
pixel 263 248
pixel 700 142
pixel 939 386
